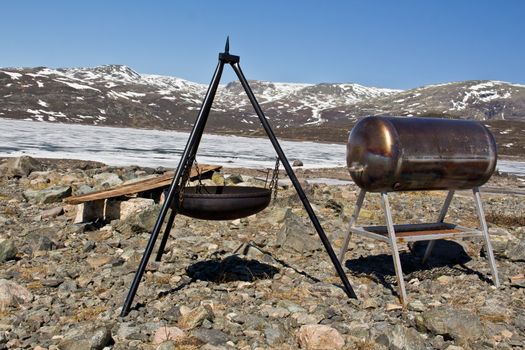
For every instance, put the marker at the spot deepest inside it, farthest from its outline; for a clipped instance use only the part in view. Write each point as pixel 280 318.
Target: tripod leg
pixel 189 153
pixel 328 247
pixel 167 231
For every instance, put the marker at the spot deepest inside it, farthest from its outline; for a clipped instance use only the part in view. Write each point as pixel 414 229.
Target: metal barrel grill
pixel 387 154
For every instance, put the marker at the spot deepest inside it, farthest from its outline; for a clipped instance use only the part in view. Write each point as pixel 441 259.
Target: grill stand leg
pixel 486 238
pixel 167 231
pixel 186 161
pixel 393 247
pixel 315 221
pixel 440 219
pixel 353 219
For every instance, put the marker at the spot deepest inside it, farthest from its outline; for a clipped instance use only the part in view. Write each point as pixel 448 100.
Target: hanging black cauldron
pixel 223 202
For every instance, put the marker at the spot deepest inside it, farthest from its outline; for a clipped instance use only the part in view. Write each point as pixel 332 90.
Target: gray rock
pixel 461 325
pixel 519 322
pixel 416 305
pixel 401 338
pixel 454 347
pixel 41 242
pixel 516 250
pixel 74 344
pixel 275 334
pixel 20 166
pixel 7 250
pixel 297 162
pixel 167 345
pixel 306 318
pixel 100 338
pixel 296 236
pixel 234 179
pixel 127 331
pixel 48 195
pixel 172 314
pixel 315 336
pixel 140 222
pixel 107 180
pixel 52 282
pixel 53 212
pixel 195 317
pixel 83 189
pixel 500 239
pixel 68 286
pixel 494 310
pixel 146 219
pixel 251 321
pixel 13 294
pixel 213 347
pixel 211 336
pixel 5 221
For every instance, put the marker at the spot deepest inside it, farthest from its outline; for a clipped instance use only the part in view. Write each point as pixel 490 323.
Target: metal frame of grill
pixel 394 234
pixel 188 158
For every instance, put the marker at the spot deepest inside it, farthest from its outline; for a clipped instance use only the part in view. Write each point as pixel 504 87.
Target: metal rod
pixel 189 151
pixel 445 207
pixel 393 246
pixel 167 231
pixel 328 247
pixel 486 238
pixel 440 219
pixel 353 219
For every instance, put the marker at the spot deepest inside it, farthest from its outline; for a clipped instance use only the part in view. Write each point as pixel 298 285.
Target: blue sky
pixel 396 44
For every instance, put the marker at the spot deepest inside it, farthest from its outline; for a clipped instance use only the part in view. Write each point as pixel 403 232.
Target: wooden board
pixel 139 186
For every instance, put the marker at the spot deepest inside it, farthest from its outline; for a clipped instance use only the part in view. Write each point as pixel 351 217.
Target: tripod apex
pixel 227 46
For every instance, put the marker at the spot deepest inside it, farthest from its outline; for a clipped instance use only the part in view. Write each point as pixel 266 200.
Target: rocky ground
pixel 255 283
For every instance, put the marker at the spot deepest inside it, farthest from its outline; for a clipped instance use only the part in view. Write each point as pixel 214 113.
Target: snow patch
pixel 76 85
pixel 132 94
pixel 12 75
pixel 115 95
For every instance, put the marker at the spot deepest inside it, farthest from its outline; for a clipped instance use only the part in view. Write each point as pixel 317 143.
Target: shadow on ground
pixel 232 268
pixel 448 258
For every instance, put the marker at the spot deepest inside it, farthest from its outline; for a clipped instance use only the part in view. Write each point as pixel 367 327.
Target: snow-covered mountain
pixel 116 95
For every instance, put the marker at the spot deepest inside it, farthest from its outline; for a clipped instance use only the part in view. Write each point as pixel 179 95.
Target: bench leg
pixel 353 219
pixel 486 238
pixel 393 246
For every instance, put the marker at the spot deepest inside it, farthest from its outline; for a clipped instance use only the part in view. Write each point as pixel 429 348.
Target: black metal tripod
pixel 185 165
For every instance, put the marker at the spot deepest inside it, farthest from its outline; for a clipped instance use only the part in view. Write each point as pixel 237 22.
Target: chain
pixel 185 178
pixel 275 179
pixel 199 174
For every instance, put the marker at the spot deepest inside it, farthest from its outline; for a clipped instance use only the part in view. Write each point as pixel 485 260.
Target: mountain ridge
pixel 117 95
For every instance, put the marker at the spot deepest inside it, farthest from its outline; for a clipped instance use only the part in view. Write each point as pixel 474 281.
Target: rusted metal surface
pixel 223 202
pixel 406 154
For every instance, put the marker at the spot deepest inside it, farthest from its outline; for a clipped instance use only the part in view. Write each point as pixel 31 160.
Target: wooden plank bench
pixel 94 205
